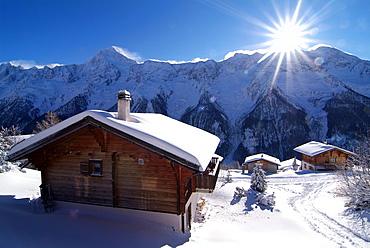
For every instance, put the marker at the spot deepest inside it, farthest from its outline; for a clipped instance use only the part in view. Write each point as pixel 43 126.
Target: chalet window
pixel 96 167
pixel 93 168
pixel 333 160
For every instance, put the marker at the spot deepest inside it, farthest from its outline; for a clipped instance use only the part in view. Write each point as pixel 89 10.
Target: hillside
pixel 321 94
pixel 306 215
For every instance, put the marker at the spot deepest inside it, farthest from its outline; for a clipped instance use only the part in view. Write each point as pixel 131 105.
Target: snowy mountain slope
pixel 321 94
pixel 305 215
pixel 273 126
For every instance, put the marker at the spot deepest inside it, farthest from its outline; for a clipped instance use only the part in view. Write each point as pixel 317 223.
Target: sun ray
pixel 289 31
pixel 287 39
pixel 295 15
pixel 281 57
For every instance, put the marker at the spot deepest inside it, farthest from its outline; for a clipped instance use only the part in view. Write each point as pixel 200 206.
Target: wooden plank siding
pixel 132 176
pixel 63 170
pixel 264 163
pixel 153 185
pixel 330 159
pixel 265 166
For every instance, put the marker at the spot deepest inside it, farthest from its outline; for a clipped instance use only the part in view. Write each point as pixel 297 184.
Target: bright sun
pixel 288 35
pixel 287 38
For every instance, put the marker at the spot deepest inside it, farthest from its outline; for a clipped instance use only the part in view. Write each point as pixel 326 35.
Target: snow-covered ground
pixel 305 215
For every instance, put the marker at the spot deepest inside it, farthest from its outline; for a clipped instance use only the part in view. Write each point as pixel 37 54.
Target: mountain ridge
pixel 245 103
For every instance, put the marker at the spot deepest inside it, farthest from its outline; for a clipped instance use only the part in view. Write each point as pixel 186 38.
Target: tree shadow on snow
pixel 251 202
pixel 235 200
pixel 358 218
pixel 359 215
pixel 271 209
pixel 305 172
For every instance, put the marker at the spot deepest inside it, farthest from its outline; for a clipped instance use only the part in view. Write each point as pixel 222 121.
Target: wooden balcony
pixel 203 182
pixel 330 166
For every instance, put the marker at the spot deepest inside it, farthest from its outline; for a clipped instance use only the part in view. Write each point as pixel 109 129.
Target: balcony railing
pixel 203 182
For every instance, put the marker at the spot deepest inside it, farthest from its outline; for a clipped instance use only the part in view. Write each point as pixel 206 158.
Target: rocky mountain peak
pixel 252 107
pixel 113 55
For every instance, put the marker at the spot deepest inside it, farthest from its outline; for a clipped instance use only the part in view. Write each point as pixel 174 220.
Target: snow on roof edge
pixel 314 148
pixel 263 156
pixel 193 144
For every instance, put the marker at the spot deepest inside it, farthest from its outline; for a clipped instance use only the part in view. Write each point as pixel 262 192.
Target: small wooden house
pixel 269 164
pixel 321 156
pixel 149 164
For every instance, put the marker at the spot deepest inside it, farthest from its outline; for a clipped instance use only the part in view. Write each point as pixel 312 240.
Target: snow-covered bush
pixel 265 200
pixel 200 211
pixel 240 192
pixel 228 177
pixel 354 179
pixel 260 198
pixel 5 146
pixel 258 179
pixel 6 166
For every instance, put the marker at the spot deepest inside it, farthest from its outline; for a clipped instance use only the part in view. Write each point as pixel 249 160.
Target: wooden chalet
pixel 269 164
pixel 321 156
pixel 147 163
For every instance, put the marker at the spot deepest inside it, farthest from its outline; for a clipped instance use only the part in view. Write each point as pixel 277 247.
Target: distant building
pixel 144 164
pixel 269 164
pixel 320 156
pixel 290 164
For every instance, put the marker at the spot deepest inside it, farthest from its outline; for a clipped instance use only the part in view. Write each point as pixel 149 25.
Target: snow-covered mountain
pixel 253 107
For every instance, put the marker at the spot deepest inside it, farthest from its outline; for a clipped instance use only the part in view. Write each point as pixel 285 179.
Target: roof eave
pixel 145 145
pixel 318 153
pixel 21 154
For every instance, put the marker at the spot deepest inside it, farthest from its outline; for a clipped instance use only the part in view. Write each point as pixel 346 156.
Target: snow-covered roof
pixel 262 156
pixel 289 162
pixel 314 148
pixel 182 140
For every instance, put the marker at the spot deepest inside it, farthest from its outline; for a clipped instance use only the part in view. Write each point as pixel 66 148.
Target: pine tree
pixel 258 179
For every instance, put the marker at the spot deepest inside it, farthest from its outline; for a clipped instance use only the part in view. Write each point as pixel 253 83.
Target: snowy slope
pixel 305 215
pixel 321 94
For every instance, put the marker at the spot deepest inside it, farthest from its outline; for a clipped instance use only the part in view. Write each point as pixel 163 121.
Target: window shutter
pixel 85 168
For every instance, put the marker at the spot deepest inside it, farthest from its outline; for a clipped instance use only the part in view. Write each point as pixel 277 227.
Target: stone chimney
pixel 123 104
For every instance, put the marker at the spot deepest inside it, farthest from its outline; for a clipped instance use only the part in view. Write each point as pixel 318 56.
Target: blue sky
pixel 71 31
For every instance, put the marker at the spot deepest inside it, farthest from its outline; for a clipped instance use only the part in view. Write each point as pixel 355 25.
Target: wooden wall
pixel 145 180
pixel 326 159
pixel 266 166
pixel 61 169
pixel 133 177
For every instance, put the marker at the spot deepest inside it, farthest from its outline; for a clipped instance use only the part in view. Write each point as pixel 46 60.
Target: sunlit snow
pixel 305 215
